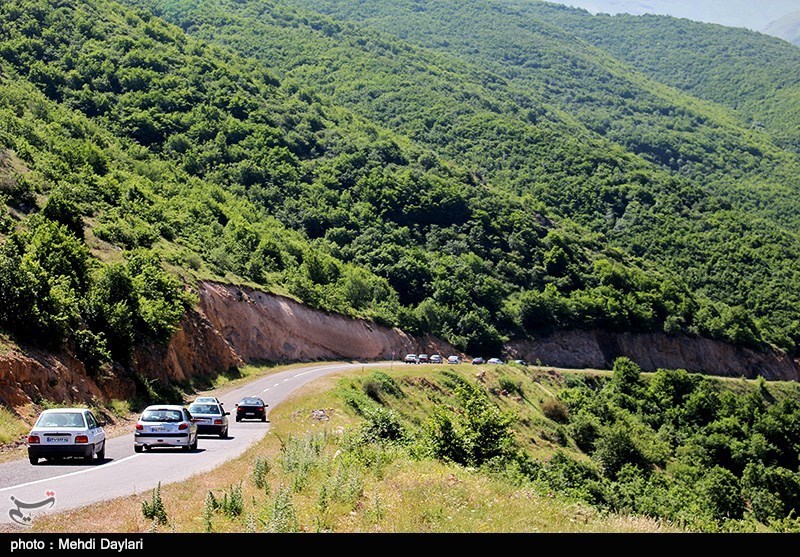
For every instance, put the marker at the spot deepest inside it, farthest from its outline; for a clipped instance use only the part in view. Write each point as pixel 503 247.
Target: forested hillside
pixel 537 111
pixel 370 176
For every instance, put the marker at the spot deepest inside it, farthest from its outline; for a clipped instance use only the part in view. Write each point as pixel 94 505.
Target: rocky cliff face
pixel 231 326
pixel 261 326
pixel 598 349
pixel 235 325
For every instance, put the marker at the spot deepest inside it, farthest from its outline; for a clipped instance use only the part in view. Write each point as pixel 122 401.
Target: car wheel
pixel 238 419
pixel 264 418
pixel 223 434
pixel 193 446
pixel 137 448
pixel 34 460
pixel 101 455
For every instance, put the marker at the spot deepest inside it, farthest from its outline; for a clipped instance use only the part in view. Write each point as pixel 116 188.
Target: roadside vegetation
pixel 446 449
pixel 136 158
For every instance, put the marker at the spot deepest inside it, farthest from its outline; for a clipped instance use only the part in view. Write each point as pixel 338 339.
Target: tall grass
pixel 11 428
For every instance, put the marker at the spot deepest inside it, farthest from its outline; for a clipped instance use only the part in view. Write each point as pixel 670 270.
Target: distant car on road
pixel 251 408
pixel 477 361
pixel 207 400
pixel 494 361
pixel 521 362
pixel 436 359
pixel 210 418
pixel 454 359
pixel 411 359
pixel 66 432
pixel 165 425
pixel 423 359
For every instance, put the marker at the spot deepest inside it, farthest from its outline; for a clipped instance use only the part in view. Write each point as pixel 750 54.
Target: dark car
pixel 210 418
pixel 478 360
pixel 251 408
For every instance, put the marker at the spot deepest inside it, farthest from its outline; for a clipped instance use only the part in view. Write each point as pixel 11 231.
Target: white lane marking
pixel 265 390
pixel 94 468
pixel 54 478
pixel 285 380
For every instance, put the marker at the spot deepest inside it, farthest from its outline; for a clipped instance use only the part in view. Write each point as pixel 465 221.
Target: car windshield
pixel 61 419
pixel 250 402
pixel 204 409
pixel 161 415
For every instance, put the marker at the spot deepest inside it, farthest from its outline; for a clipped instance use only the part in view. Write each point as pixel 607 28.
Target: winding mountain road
pixel 27 491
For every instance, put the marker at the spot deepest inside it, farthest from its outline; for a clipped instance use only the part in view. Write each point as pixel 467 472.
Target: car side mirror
pixel 227 413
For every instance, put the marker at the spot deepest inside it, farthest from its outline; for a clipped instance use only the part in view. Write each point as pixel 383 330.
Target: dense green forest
pixel 366 175
pixel 665 177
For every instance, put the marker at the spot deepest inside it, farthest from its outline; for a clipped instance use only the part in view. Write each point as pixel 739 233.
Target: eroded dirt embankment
pixel 231 326
pixel 234 325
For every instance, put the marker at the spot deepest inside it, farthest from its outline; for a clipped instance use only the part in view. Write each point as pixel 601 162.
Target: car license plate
pixel 158 429
pixel 59 439
pixel 203 421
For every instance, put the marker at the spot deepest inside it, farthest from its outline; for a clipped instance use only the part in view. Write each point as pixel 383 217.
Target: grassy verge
pixel 491 449
pixel 313 472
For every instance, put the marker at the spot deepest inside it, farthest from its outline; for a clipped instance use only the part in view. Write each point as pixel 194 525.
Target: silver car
pixel 210 418
pixel 165 425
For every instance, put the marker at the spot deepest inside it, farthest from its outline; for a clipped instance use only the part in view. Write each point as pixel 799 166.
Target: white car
pixel 165 425
pixel 453 359
pixel 66 432
pixel 494 361
pixel 210 418
pixel 207 400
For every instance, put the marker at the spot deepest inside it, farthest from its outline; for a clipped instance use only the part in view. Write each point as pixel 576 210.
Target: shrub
pixel 232 502
pixel 585 429
pixel 382 425
pixel 283 516
pixel 555 410
pixel 478 433
pixel 261 468
pixel 379 383
pixel 616 447
pixel 154 508
pixel 627 376
pixel 510 385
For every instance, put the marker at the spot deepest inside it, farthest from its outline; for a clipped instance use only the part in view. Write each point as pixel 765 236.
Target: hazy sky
pixel 752 14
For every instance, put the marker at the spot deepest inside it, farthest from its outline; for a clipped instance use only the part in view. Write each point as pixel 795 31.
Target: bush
pixel 379 383
pixel 154 508
pixel 616 447
pixel 261 468
pixel 627 376
pixel 555 410
pixel 585 429
pixel 283 516
pixel 510 385
pixel 382 425
pixel 477 434
pixel 232 502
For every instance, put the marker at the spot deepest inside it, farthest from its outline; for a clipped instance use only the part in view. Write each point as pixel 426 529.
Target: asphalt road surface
pixel 27 491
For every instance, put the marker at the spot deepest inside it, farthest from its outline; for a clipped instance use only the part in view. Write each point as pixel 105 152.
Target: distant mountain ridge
pixel 778 18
